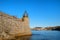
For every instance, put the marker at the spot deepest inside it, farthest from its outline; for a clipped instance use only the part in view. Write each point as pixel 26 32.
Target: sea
pixel 42 35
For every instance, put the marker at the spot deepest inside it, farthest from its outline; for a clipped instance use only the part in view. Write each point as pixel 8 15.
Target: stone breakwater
pixel 11 26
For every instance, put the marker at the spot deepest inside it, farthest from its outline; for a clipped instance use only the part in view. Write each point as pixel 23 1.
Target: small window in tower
pixel 22 19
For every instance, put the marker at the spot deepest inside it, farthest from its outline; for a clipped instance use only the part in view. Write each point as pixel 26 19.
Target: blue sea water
pixel 42 35
pixel 45 35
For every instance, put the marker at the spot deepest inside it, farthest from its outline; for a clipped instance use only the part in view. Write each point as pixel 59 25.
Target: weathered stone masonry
pixel 14 26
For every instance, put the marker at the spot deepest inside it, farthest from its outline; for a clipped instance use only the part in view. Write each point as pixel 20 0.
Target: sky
pixel 42 13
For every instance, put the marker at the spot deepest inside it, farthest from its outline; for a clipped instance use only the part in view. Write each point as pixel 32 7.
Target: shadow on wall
pixel 22 38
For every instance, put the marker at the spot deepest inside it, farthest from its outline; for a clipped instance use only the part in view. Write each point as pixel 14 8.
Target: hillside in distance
pixel 47 28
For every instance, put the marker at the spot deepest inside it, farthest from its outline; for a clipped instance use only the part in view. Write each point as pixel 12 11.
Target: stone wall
pixel 13 26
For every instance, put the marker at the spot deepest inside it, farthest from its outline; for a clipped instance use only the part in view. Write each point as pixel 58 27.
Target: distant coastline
pixel 47 28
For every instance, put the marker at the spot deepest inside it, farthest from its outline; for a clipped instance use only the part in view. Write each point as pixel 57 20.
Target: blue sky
pixel 42 13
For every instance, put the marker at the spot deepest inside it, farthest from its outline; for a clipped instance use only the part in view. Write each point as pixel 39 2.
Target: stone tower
pixel 25 20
